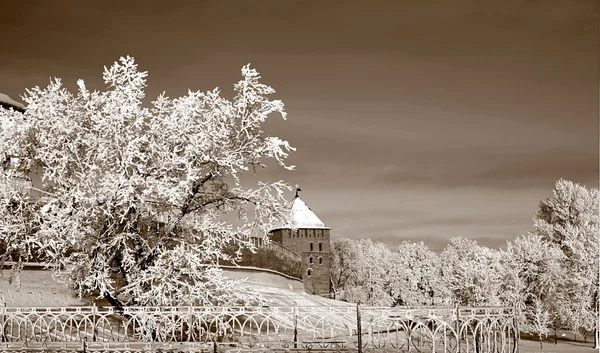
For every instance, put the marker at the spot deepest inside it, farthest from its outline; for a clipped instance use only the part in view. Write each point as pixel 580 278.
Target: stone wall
pixel 299 240
pixel 316 275
pixel 271 256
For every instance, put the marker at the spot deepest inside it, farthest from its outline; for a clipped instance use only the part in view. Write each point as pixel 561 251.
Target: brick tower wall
pixel 318 281
pixel 300 241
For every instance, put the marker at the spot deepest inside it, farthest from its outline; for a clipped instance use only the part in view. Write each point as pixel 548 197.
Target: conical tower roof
pixel 301 216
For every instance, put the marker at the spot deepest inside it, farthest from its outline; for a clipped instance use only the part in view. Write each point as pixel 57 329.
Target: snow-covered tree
pixel 375 268
pixel 360 271
pixel 532 272
pixel 472 273
pixel 136 200
pixel 344 270
pixel 538 321
pixel 570 219
pixel 415 276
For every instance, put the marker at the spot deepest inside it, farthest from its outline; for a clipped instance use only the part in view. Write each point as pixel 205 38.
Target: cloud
pixel 413 120
pixel 513 172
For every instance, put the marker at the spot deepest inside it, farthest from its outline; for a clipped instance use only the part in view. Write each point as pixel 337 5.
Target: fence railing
pixel 423 329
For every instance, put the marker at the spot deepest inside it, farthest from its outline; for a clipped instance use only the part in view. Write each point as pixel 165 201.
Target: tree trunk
pixel 116 303
pixel 597 312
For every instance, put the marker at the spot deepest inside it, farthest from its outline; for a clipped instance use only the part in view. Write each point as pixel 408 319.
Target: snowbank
pixel 7 101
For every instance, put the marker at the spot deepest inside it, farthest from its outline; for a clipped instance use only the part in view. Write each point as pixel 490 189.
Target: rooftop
pixel 301 216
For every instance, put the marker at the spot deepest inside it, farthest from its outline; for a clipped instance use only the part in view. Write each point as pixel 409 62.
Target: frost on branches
pixel 135 200
pixel 538 320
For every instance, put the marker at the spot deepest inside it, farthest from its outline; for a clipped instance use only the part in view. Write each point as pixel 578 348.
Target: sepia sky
pixel 413 120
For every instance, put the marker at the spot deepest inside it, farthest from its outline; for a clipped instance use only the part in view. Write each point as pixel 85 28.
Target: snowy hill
pixel 40 289
pixel 280 290
pixel 7 102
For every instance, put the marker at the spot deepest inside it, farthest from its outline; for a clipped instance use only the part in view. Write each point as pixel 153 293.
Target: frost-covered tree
pixel 472 273
pixel 360 271
pixel 570 219
pixel 136 200
pixel 538 320
pixel 375 268
pixel 344 269
pixel 531 273
pixel 415 276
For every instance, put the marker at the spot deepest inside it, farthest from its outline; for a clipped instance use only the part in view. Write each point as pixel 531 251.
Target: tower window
pixel 320 260
pixel 320 246
pixel 310 260
pixel 311 246
pixel 309 272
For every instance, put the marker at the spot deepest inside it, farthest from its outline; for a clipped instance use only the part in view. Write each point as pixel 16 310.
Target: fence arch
pixel 431 329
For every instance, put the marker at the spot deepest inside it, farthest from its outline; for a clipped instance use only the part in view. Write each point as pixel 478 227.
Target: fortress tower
pixel 309 237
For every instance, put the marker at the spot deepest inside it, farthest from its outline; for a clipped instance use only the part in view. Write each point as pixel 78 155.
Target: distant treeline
pixel 551 273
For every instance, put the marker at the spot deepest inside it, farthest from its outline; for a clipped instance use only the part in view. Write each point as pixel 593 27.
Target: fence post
pixel 3 323
pixel 295 325
pixel 516 324
pixel 94 311
pixel 457 328
pixel 359 328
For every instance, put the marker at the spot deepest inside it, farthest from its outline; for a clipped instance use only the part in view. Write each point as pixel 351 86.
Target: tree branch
pixel 222 199
pixel 188 201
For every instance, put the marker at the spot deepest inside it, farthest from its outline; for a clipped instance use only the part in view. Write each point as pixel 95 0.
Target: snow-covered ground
pixel 280 290
pixel 38 288
pixel 527 346
pixel 6 99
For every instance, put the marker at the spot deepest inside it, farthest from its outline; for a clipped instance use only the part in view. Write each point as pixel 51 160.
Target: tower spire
pixel 298 190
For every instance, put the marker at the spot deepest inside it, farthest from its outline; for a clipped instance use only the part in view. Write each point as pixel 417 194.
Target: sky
pixel 413 120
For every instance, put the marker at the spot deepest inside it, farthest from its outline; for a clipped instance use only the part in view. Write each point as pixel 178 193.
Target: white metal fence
pixel 211 329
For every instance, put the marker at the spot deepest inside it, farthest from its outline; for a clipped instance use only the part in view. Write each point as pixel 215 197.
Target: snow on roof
pixel 6 100
pixel 303 216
